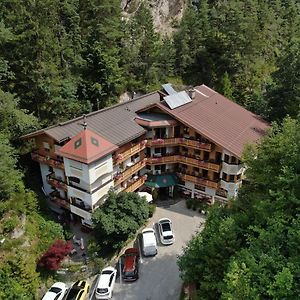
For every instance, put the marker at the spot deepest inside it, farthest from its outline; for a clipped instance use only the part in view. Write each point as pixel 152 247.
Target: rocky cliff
pixel 166 13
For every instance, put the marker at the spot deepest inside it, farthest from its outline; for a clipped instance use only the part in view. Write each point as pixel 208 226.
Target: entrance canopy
pixel 158 181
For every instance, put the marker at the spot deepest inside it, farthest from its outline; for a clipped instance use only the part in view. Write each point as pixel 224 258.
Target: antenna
pixel 84 124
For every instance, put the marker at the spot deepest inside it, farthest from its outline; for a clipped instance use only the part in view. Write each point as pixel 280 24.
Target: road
pixel 159 276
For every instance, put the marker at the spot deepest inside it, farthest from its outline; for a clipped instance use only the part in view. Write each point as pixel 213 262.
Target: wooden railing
pixel 177 142
pixel 183 159
pixel 47 160
pixel 135 185
pixel 59 200
pixel 199 181
pixel 56 182
pixel 130 152
pixel 129 172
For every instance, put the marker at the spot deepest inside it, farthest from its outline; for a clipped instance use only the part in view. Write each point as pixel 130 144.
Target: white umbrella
pixel 146 195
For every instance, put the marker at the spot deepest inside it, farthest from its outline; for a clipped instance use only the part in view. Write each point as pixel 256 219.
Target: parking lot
pixel 159 275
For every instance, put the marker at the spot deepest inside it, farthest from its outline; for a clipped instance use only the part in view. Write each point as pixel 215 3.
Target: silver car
pixel 166 234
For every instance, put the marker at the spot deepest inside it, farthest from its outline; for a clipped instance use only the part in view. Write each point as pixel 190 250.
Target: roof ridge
pixel 104 109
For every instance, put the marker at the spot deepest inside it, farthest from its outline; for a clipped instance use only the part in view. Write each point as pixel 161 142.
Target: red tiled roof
pixel 86 147
pixel 219 119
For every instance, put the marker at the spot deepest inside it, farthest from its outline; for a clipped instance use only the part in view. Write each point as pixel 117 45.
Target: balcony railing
pixel 47 160
pixel 179 141
pixel 58 200
pixel 135 185
pixel 55 182
pixel 129 172
pixel 183 159
pixel 200 181
pixel 130 152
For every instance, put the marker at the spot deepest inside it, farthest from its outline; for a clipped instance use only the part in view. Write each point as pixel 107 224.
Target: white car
pixel 106 283
pixel 149 246
pixel 166 234
pixel 56 292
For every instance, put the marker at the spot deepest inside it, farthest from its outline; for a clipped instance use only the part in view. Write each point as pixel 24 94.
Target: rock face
pixel 166 13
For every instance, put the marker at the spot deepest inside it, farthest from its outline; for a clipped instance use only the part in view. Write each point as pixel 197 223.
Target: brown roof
pixel 115 123
pixel 220 119
pixel 211 114
pixel 87 146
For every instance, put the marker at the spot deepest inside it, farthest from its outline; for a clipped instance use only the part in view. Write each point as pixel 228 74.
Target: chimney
pixel 192 93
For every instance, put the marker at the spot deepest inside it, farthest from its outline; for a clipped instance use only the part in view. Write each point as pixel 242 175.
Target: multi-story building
pixel 193 140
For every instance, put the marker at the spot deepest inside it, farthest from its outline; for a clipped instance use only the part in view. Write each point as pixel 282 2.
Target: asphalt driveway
pixel 159 276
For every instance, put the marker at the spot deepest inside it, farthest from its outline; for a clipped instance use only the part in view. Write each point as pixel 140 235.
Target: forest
pixel 62 58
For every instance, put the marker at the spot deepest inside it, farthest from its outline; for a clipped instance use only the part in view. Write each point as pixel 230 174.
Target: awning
pixel 146 195
pixel 158 181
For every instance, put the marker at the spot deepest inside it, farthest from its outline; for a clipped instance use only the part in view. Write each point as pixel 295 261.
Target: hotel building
pixel 193 140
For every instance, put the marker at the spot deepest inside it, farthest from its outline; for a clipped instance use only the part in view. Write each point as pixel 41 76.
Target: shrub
pixel 189 203
pixel 10 224
pixel 152 208
pixel 56 253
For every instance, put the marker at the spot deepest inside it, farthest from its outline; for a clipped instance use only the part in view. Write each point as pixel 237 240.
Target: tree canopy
pixel 249 249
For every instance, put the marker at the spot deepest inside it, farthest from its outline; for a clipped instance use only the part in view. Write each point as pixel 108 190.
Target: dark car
pixel 131 264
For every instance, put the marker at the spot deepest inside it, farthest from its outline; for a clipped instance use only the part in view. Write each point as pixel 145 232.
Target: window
pixel 204 173
pixel 233 160
pixel 186 130
pixel 51 169
pixel 216 176
pixel 46 146
pixel 224 176
pixel 199 187
pixel 231 178
pixel 238 177
pixel 148 167
pixel 157 150
pixel 74 179
pixel 226 158
pixel 195 169
pixel 184 149
pixel 197 152
pixel 206 155
pixel 218 157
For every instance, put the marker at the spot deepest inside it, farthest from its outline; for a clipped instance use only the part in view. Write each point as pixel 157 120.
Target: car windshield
pixel 102 291
pixel 168 237
pixel 107 272
pixel 129 273
pixel 73 293
pixel 166 226
pixel 55 290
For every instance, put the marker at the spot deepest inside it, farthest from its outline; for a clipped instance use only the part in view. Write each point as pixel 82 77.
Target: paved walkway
pixel 159 275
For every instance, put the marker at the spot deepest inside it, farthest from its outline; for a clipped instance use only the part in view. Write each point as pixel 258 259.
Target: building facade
pixel 193 140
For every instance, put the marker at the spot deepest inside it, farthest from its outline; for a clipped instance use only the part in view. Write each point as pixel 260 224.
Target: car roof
pixel 104 278
pixel 50 295
pixel 129 263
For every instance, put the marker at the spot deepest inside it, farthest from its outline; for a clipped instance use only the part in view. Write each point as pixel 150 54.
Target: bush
pixel 152 209
pixel 56 253
pixel 189 203
pixel 10 224
pixel 68 234
pixel 154 194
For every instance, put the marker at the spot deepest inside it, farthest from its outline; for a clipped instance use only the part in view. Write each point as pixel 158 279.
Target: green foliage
pixel 10 224
pixel 250 249
pixel 119 218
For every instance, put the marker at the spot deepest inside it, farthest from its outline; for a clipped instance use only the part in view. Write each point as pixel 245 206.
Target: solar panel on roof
pixel 169 89
pixel 177 99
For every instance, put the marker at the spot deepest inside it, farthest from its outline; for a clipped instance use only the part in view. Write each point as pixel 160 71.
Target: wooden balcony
pixel 47 160
pixel 58 200
pixel 135 185
pixel 55 182
pixel 183 159
pixel 129 172
pixel 130 152
pixel 179 142
pixel 200 181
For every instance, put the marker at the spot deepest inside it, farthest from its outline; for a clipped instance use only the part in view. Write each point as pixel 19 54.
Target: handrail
pixel 130 171
pixel 131 151
pixel 135 185
pixel 47 160
pixel 198 180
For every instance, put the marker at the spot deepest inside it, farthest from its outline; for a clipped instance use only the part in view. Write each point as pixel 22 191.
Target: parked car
pixel 131 264
pixel 149 245
pixel 165 231
pixel 56 292
pixel 106 283
pixel 78 291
